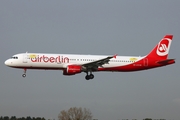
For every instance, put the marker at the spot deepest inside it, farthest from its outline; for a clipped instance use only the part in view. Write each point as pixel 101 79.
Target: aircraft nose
pixel 7 62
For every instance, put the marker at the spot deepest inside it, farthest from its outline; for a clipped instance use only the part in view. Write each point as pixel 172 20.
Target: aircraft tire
pixel 23 75
pixel 91 76
pixel 87 77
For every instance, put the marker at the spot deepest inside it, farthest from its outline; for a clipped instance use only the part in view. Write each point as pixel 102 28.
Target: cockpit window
pixel 14 57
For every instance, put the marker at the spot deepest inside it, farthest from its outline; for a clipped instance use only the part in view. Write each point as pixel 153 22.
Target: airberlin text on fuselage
pixel 46 59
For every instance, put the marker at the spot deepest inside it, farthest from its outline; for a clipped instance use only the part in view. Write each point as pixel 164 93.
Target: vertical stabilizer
pixel 161 50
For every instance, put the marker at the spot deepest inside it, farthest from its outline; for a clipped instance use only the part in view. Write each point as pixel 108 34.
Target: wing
pixel 98 63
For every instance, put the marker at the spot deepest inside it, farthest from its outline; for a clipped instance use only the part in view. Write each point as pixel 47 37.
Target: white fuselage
pixel 61 61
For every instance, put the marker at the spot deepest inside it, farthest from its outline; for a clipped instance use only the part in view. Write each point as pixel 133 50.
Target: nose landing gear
pixel 24 75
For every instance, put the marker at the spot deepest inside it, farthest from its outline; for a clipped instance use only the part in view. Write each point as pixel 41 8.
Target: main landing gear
pixel 24 75
pixel 90 76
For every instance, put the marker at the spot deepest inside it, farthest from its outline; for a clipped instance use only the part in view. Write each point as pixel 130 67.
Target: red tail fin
pixel 161 50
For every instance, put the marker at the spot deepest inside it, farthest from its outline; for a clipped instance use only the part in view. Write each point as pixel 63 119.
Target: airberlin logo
pixel 52 59
pixel 163 47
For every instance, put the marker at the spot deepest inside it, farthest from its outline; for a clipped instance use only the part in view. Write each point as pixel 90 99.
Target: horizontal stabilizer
pixel 167 61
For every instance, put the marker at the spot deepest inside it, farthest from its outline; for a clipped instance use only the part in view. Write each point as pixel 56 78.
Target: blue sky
pixel 89 27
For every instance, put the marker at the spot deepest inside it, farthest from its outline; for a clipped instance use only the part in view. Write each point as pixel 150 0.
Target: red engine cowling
pixel 72 70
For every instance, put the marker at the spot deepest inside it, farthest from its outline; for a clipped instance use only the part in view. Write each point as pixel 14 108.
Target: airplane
pixel 72 64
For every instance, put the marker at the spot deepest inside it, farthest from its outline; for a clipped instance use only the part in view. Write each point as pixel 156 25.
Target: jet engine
pixel 72 70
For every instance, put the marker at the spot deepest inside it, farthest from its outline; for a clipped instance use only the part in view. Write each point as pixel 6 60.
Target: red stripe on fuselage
pixel 38 68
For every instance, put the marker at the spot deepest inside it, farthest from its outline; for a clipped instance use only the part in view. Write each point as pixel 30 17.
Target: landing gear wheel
pixel 91 76
pixel 87 77
pixel 23 75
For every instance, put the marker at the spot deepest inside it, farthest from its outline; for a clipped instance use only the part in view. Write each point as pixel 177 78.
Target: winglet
pixel 115 56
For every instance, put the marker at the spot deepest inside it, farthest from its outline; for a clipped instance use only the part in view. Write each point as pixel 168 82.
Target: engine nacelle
pixel 72 70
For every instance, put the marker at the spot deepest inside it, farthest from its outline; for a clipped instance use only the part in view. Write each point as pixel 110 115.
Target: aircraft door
pixel 25 58
pixel 145 62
